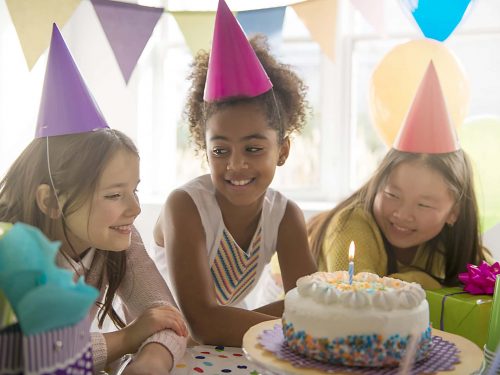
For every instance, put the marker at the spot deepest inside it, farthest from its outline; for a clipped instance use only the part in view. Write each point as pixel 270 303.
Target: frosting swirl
pixel 367 289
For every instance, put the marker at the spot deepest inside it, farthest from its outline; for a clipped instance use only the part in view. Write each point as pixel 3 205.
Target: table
pixel 470 357
pixel 214 360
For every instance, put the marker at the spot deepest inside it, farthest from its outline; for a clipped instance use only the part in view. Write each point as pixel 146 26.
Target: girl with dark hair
pixel 220 230
pixel 416 218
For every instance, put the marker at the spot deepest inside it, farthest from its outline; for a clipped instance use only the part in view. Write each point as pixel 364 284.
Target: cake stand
pixel 470 355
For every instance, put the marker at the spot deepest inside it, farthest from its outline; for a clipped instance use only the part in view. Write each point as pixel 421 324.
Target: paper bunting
pixel 265 21
pixel 197 28
pixel 437 19
pixel 320 18
pixel 128 28
pixel 373 12
pixel 33 21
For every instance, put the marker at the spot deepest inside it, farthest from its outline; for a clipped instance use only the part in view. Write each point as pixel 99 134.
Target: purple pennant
pixel 128 28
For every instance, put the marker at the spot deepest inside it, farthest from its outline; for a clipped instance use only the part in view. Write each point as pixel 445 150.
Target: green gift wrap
pixel 455 311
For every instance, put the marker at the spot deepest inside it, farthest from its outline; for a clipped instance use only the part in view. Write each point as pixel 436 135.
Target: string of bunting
pixel 128 26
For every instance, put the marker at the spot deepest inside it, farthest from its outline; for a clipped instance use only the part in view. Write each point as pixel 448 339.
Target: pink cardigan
pixel 141 288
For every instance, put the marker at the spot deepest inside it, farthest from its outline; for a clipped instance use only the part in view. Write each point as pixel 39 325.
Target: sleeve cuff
pixel 99 351
pixel 175 344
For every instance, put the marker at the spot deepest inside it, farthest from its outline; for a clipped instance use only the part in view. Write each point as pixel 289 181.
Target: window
pixel 337 150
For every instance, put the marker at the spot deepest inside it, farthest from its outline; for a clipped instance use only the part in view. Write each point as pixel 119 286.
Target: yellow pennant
pixel 320 18
pixel 197 28
pixel 33 22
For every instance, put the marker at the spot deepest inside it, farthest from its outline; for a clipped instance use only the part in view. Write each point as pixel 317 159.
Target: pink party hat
pixel 427 128
pixel 233 69
pixel 67 107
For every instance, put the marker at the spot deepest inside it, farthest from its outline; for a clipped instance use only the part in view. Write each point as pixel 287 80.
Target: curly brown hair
pixel 285 105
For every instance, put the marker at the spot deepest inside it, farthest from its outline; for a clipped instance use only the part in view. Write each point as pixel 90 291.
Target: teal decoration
pixel 437 19
pixel 43 296
pixel 25 255
pixel 55 304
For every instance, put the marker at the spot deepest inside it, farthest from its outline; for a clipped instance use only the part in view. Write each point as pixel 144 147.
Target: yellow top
pixel 7 316
pixel 370 256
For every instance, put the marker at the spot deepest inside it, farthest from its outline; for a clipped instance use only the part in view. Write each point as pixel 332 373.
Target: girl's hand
pixel 153 359
pixel 129 339
pixel 157 319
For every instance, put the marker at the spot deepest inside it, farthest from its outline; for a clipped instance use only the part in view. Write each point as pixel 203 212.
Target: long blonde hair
pixel 76 164
pixel 462 241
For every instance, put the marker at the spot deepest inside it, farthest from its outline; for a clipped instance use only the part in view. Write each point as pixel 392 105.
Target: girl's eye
pixel 390 195
pixel 112 196
pixel 218 151
pixel 423 205
pixel 254 149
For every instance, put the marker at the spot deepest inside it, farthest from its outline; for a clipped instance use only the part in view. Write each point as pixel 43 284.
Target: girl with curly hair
pixel 221 229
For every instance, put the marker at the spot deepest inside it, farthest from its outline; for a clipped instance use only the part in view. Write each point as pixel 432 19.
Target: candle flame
pixel 352 249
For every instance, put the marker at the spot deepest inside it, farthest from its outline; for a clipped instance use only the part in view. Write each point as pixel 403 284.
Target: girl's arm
pixel 180 231
pixel 147 300
pixel 295 258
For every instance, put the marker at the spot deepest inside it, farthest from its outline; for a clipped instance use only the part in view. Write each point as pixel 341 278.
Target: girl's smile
pixel 243 152
pixel 414 205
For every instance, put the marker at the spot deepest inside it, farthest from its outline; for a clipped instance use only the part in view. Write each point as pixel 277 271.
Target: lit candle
pixel 351 261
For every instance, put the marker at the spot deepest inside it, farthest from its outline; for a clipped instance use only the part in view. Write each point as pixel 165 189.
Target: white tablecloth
pixel 214 360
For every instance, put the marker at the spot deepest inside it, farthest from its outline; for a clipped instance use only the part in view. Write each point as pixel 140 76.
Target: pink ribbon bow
pixel 480 279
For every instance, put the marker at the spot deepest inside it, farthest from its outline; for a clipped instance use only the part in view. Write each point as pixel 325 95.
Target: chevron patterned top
pixel 234 270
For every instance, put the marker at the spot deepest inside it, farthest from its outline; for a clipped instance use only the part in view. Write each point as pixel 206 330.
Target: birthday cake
pixel 366 323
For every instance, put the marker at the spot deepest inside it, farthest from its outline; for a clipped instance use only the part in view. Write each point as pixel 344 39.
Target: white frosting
pixel 325 305
pixel 367 289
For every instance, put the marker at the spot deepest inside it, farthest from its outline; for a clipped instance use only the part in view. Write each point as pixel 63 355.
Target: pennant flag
pixel 437 18
pixel 320 18
pixel 197 28
pixel 33 21
pixel 128 28
pixel 373 12
pixel 265 21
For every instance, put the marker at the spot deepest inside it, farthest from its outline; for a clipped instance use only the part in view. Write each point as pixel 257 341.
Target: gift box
pixel 455 311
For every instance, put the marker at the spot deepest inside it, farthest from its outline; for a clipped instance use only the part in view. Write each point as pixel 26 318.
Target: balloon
pixel 437 18
pixel 480 138
pixel 395 80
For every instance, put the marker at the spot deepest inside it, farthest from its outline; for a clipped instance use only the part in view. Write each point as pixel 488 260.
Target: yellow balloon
pixel 395 80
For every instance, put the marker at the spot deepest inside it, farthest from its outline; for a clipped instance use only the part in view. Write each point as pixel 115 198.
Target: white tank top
pixel 202 191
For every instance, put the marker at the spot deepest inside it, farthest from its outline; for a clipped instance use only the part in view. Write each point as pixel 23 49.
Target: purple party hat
pixel 234 69
pixel 67 107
